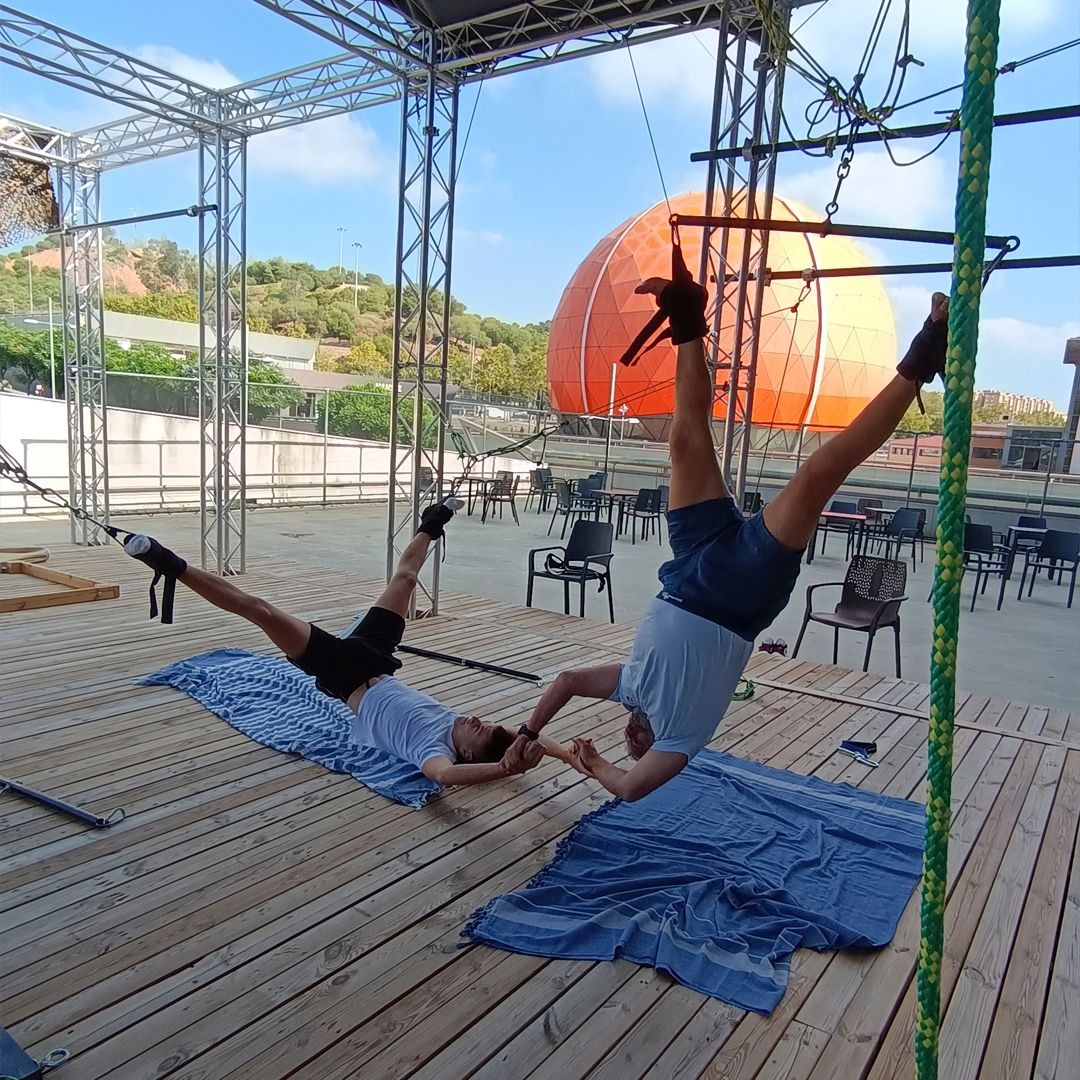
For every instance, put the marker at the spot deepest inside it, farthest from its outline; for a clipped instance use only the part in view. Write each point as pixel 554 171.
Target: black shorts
pixel 340 665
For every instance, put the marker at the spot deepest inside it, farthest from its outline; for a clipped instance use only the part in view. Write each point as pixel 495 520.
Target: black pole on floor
pixel 63 807
pixel 476 665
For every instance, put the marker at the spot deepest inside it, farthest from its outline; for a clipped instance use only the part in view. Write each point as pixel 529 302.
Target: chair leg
pixel 1031 583
pixel 896 644
pixel 566 597
pixel 1023 582
pixel 802 632
pixel 1072 585
pixel 551 524
pixel 513 510
pixel 659 537
pixel 610 598
pixel 566 521
pixel 835 644
pixel 1001 589
pixel 529 592
pixel 582 612
pixel 866 655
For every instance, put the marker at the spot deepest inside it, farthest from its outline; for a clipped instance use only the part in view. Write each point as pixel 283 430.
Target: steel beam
pixel 888 135
pixel 428 166
pixel 43 48
pixel 78 194
pixel 223 352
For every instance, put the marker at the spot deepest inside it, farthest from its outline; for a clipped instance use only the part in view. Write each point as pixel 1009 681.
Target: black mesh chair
pixel 569 506
pixel 1056 550
pixel 873 590
pixel 587 557
pixel 646 509
pixel 501 492
pixel 846 528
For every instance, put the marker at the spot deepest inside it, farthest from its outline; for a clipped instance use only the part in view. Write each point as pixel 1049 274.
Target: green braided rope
pixel 976 126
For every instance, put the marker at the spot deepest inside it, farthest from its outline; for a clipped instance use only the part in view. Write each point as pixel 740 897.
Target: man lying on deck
pixel 730 576
pixel 390 716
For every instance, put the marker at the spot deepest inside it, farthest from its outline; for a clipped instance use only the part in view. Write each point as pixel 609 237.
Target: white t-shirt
pixel 681 675
pixel 399 720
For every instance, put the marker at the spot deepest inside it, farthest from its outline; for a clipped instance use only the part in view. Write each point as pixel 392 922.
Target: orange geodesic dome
pixel 817 367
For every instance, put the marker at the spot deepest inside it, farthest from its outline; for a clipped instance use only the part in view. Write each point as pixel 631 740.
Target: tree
pixel 494 370
pixel 24 357
pixel 179 306
pixel 339 320
pixel 270 391
pixel 363 412
pixel 364 359
pixel 530 372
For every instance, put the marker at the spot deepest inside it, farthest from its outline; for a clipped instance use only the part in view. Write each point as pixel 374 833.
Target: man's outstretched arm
pixel 443 771
pixel 594 682
pixel 655 769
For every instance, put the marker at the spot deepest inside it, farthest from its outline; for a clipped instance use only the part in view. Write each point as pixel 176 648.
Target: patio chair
pixel 1028 521
pixel 987 558
pixel 872 592
pixel 646 509
pixel 1056 550
pixel 541 487
pixel 500 493
pixel 846 528
pixel 587 557
pixel 904 528
pixel 569 506
pixel 751 502
pixel 664 489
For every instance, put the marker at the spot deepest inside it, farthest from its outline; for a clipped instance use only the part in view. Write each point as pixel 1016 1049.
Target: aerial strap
pixel 679 272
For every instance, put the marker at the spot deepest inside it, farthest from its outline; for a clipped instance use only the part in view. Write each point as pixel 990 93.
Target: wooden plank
pixel 1059 1039
pixel 1015 1032
pixel 796 1054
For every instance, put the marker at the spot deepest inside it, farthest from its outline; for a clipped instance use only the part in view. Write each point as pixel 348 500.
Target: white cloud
pixel 479 236
pixel 877 192
pixel 1014 354
pixel 677 70
pixel 211 73
pixel 334 150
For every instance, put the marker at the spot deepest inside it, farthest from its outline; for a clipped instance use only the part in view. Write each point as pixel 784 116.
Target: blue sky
pixel 557 157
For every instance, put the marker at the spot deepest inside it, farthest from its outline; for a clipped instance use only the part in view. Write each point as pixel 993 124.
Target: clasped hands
pixel 525 754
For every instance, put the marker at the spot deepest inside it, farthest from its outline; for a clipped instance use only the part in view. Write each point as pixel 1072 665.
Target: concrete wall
pixel 154 460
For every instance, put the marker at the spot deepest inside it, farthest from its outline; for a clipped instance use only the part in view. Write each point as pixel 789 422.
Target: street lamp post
pixel 30 281
pixel 356 274
pixel 52 353
pixel 341 249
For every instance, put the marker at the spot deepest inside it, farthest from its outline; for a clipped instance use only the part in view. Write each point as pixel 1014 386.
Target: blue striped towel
pixel 276 704
pixel 717 878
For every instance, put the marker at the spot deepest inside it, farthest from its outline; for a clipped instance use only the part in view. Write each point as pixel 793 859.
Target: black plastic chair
pixel 873 590
pixel 664 490
pixel 904 528
pixel 500 493
pixel 646 509
pixel 1057 549
pixel 538 490
pixel 567 504
pixel 847 528
pixel 987 558
pixel 751 503
pixel 587 557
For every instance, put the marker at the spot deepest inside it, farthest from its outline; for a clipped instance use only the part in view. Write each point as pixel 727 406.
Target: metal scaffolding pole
pixel 83 340
pixel 421 314
pixel 223 351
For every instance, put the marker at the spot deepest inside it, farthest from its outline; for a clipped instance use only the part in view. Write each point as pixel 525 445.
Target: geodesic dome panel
pixel 818 364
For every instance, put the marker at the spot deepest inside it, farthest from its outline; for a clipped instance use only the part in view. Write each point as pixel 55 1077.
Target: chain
pixel 842 171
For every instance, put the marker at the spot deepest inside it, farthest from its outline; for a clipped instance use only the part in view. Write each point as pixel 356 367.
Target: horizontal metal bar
pixel 189 211
pixel 61 805
pixel 827 228
pixel 1043 262
pixel 917 131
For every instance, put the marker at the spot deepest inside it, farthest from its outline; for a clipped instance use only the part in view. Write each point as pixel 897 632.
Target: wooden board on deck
pixel 256 915
pixel 71 589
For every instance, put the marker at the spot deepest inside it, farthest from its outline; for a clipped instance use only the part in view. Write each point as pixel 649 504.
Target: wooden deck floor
pixel 258 917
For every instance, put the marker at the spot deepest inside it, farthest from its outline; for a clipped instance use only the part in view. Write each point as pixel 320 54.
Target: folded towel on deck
pixel 717 877
pixel 276 704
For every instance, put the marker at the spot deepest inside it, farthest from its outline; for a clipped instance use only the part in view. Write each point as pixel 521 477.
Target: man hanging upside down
pixel 730 576
pixel 359 669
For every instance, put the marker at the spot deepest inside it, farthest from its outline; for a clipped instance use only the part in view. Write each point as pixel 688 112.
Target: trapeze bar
pixel 918 131
pixel 477 665
pixel 1042 262
pixel 828 228
pixel 58 804
pixel 188 211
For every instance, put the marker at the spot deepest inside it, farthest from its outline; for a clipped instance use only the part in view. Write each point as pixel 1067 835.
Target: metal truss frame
pixel 223 352
pixel 746 111
pixel 428 168
pixel 384 54
pixel 83 340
